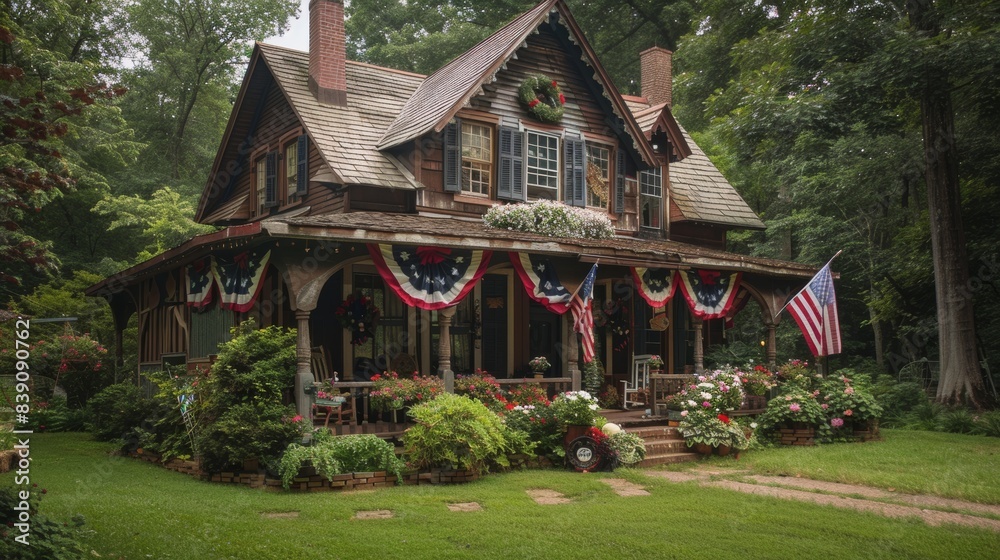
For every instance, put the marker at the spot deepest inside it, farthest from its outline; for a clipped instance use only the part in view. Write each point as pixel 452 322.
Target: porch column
pixel 303 364
pixel 572 353
pixel 444 347
pixel 772 346
pixel 699 349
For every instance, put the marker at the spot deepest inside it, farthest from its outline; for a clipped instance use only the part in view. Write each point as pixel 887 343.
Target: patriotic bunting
pixel 655 285
pixel 429 277
pixel 541 282
pixel 240 279
pixel 200 279
pixel 710 293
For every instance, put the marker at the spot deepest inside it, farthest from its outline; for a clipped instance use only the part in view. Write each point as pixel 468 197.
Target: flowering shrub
pixel 796 405
pixel 703 426
pixel 481 386
pixel 392 392
pixel 609 397
pixel 76 363
pixel 554 219
pixel 575 407
pixel 540 363
pixel 717 391
pixel 539 422
pixel 845 398
pixel 757 380
pixel 798 372
pixel 527 393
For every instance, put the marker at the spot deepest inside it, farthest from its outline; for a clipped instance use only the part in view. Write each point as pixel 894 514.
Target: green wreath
pixel 542 97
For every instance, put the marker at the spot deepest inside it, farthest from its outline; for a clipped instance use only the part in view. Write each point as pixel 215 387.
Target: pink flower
pixel 684 413
pixel 706 404
pixel 297 418
pixel 824 406
pixel 848 412
pixel 849 391
pixel 794 407
pixel 837 422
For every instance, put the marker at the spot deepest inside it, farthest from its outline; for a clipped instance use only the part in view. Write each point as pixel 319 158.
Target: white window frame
pixel 651 190
pixel 552 173
pixel 484 167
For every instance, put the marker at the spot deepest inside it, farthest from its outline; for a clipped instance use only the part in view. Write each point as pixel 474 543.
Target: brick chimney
pixel 657 74
pixel 327 52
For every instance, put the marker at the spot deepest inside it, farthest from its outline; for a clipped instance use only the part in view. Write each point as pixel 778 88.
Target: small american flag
pixel 583 319
pixel 815 310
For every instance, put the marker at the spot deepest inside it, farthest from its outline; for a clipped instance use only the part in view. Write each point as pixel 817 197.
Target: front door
pixel 543 337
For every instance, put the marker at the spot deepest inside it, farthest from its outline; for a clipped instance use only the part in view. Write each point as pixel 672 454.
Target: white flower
pixel 706 385
pixel 594 407
pixel 584 394
pixel 753 425
pixel 706 396
pixel 692 403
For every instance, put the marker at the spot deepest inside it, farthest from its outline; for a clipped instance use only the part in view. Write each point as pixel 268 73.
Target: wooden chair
pixel 639 385
pixel 317 362
pixel 321 373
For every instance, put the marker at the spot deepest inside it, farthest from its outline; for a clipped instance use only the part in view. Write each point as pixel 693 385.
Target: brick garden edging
pixel 309 481
pixel 798 436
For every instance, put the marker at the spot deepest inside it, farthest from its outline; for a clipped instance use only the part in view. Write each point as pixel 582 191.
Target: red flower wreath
pixel 542 97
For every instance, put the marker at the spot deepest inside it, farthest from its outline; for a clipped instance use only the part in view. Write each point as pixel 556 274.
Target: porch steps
pixel 664 445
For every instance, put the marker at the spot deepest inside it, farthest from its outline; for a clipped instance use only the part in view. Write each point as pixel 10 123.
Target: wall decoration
pixel 542 97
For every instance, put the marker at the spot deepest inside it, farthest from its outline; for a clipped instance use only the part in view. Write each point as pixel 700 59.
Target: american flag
pixel 815 310
pixel 583 319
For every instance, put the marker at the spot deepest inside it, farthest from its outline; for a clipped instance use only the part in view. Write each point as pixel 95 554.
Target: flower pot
pixel 539 375
pixel 703 448
pixel 722 450
pixel 574 431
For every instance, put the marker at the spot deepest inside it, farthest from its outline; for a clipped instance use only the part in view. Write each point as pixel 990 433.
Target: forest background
pixel 816 111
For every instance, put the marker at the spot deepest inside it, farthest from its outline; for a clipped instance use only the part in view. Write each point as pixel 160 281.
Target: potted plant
pixel 704 430
pixel 655 364
pixel 539 365
pixel 575 411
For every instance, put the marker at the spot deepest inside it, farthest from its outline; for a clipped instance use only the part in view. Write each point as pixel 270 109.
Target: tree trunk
pixel 961 378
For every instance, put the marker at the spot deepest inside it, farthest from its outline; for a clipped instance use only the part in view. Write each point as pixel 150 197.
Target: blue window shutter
pixel 453 156
pixel 271 181
pixel 510 179
pixel 574 173
pixel 620 182
pixel 302 170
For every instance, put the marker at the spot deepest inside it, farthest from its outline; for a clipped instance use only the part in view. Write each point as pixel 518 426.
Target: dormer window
pixel 651 199
pixel 477 159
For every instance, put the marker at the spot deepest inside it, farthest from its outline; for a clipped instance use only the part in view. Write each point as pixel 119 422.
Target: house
pixel 338 179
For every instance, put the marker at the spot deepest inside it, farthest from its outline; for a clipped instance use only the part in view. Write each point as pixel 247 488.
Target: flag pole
pixel 804 287
pixel 580 285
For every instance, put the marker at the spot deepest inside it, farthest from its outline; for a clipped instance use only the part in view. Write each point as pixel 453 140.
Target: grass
pixel 949 465
pixel 137 510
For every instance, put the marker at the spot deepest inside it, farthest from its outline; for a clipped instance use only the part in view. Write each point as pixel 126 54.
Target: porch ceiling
pixel 450 231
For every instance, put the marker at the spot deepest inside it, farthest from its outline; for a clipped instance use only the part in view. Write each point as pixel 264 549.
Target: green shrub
pixel 454 431
pixel 331 456
pixel 924 416
pixel 245 431
pixel 117 409
pixel 255 366
pixel 630 447
pixel 481 386
pixel 539 425
pixel 47 539
pixel 988 423
pixel 54 415
pixel 957 421
pixel 593 376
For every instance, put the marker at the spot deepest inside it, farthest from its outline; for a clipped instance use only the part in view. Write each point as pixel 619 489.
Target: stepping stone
pixel 279 514
pixel 374 514
pixel 625 488
pixel 466 506
pixel 546 497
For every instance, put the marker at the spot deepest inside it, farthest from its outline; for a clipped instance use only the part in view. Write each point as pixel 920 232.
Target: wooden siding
pixel 713 237
pixel 209 328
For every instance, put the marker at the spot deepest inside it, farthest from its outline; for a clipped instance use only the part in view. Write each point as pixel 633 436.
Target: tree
pixel 183 84
pixel 43 93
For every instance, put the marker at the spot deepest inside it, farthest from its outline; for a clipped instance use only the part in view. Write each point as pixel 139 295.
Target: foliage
pixel 704 426
pixel 77 363
pixel 793 405
pixel 177 412
pixel 848 395
pixel 115 410
pixel 45 538
pixel 331 456
pixel 577 408
pixel 539 423
pixel 527 393
pixel 249 430
pixel 957 421
pixel 896 398
pixel 631 449
pixel 609 397
pixel 554 219
pixel 54 415
pixel 797 372
pixel 593 376
pixel 757 379
pixel 716 391
pixel 454 431
pixel 392 392
pixel 539 363
pixel 481 386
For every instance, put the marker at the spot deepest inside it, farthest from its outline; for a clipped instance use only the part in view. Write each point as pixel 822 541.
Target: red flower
pixel 510 406
pixel 562 99
pixel 724 418
pixel 554 84
pixel 533 103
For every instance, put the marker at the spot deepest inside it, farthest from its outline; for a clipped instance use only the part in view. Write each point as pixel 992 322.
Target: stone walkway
pixel 848 496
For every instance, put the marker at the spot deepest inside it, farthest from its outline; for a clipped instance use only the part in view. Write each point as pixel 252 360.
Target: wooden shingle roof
pixel 346 136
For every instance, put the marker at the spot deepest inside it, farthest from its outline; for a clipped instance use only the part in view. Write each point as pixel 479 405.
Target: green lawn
pixel 137 510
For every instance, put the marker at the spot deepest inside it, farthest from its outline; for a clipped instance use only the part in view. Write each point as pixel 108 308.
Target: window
pixel 543 166
pixel 260 183
pixel 598 175
pixel 292 167
pixel 650 202
pixel 477 159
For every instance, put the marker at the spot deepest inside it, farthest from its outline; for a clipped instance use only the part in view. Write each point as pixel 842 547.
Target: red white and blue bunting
pixel 541 282
pixel 429 277
pixel 200 281
pixel 655 285
pixel 240 278
pixel 709 293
